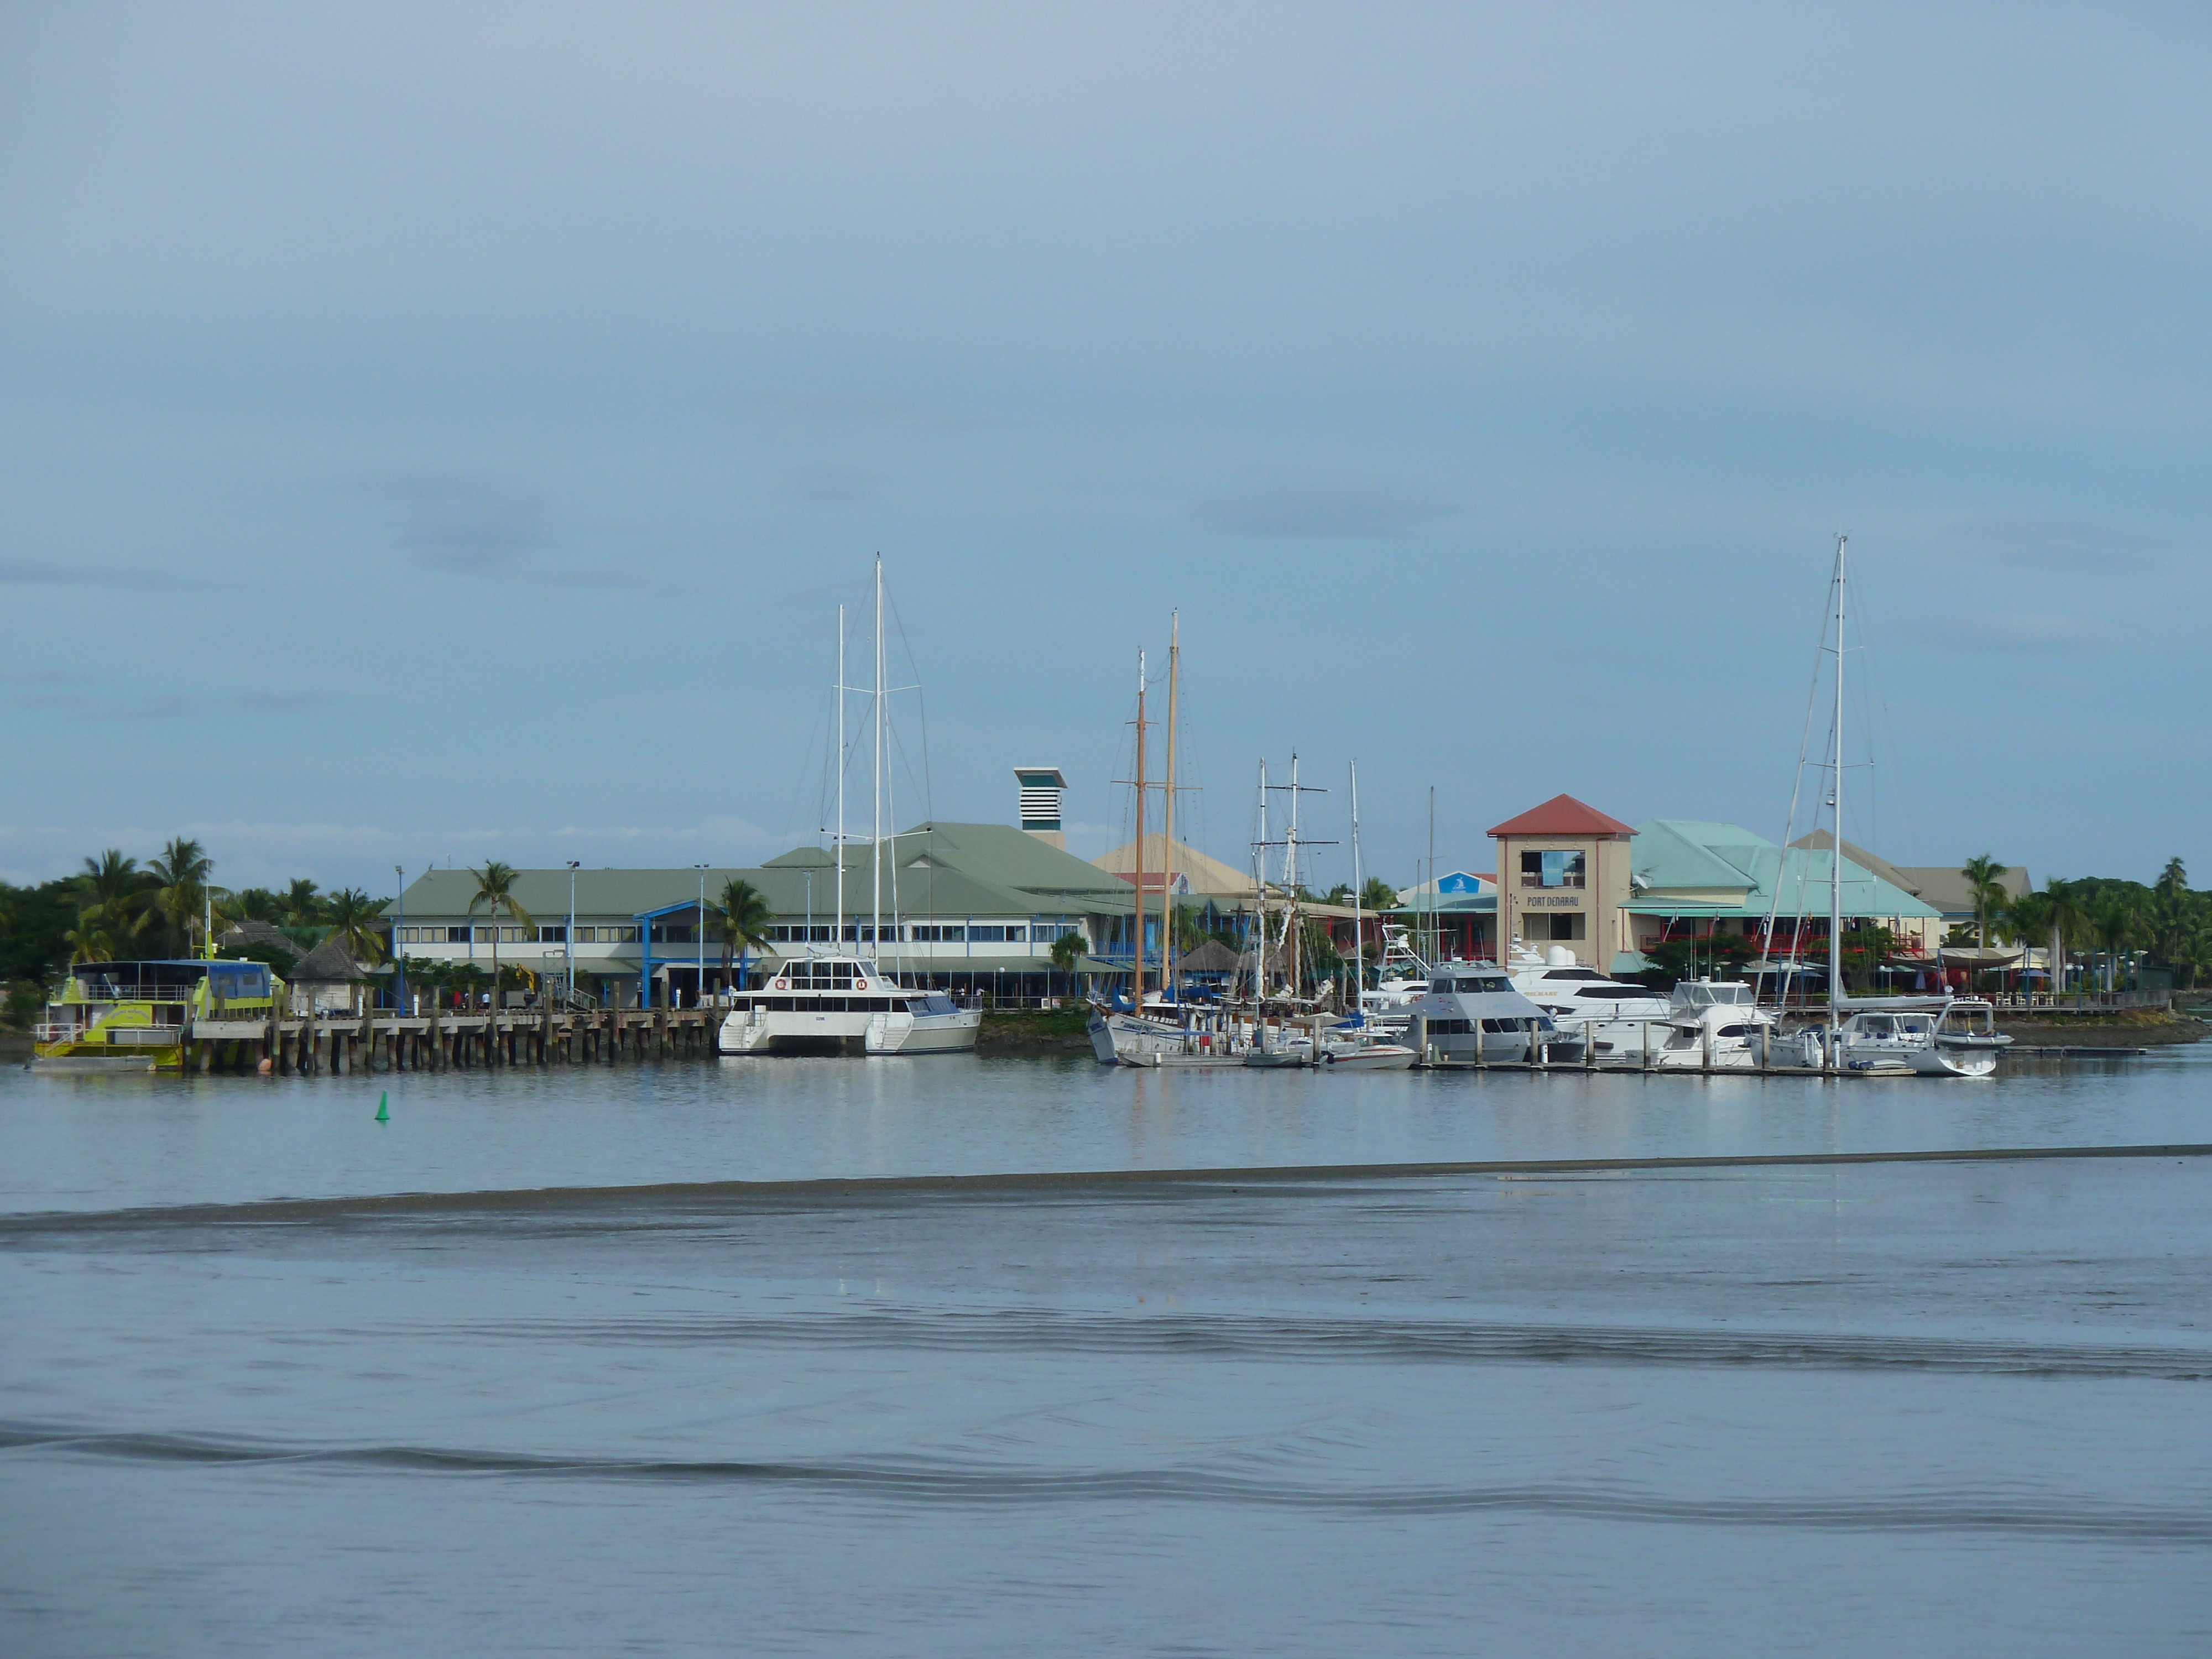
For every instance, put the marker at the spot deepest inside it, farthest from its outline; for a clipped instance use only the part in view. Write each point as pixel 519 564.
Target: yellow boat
pixel 138 1015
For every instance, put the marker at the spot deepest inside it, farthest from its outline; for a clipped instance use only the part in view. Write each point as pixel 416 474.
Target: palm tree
pixel 113 888
pixel 1378 895
pixel 2069 914
pixel 1983 877
pixel 302 904
pixel 2113 921
pixel 745 915
pixel 2026 919
pixel 1067 951
pixel 88 941
pixel 356 921
pixel 181 875
pixel 495 889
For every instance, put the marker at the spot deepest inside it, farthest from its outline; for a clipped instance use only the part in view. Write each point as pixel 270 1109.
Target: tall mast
pixel 1358 938
pixel 837 927
pixel 1836 817
pixel 1290 881
pixel 1258 932
pixel 1137 997
pixel 876 835
pixel 1167 814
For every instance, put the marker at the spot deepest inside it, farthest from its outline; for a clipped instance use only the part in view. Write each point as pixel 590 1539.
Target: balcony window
pixel 1553 867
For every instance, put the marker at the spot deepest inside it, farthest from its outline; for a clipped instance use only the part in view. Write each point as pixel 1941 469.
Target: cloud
pixel 2062 544
pixel 467 523
pixel 1373 511
pixel 33 572
pixel 829 486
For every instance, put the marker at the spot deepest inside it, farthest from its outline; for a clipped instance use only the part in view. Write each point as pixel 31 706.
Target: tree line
pixel 115 908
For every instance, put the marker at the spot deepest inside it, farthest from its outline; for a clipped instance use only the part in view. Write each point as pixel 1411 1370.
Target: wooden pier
pixel 450 1039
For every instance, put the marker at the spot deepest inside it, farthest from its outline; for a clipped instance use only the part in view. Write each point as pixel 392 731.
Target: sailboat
pixel 1355 1046
pixel 1162 1029
pixel 839 1000
pixel 1929 1037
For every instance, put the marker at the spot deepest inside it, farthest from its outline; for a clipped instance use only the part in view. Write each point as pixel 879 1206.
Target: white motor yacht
pixel 1472 1011
pixel 1710 1025
pixel 1704 1025
pixel 843 1005
pixel 1931 1036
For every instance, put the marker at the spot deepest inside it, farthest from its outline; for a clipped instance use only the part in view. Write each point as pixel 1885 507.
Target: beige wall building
pixel 1563 879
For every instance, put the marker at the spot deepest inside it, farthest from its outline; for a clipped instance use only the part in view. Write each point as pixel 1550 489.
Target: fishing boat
pixel 833 1001
pixel 135 1017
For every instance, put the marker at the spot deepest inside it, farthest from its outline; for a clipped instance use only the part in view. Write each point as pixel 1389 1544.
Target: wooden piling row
pixel 444 1040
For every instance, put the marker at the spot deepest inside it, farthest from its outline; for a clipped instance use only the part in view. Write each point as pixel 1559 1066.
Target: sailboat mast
pixel 1358 937
pixel 1137 955
pixel 1291 885
pixel 1836 815
pixel 1258 932
pixel 837 928
pixel 876 829
pixel 1167 814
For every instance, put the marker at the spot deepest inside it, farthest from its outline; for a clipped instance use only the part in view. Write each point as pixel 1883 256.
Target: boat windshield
pixel 1614 992
pixel 1706 993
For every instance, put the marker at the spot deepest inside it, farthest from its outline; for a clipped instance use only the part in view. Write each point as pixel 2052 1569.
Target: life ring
pixel 860 985
pixel 783 985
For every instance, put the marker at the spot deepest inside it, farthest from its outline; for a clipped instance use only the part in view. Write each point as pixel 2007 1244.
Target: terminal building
pixel 972 909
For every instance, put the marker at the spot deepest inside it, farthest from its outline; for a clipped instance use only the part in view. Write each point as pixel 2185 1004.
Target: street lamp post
pixel 699 938
pixel 398 955
pixel 569 942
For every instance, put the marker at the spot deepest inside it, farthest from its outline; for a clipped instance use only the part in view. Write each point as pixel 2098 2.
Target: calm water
pixel 1897 1408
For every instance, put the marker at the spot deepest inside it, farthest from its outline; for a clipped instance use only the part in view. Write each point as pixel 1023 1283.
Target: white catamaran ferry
pixel 844 1005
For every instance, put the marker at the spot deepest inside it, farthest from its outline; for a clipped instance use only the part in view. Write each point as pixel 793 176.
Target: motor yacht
pixel 1470 1010
pixel 844 1004
pixel 1930 1036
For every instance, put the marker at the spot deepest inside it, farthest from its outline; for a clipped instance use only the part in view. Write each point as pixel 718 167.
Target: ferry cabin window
pixel 1481 984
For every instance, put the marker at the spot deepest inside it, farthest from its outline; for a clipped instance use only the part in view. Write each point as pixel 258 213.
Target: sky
pixel 446 433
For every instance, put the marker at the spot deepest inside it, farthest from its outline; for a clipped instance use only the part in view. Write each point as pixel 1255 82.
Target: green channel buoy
pixel 384 1106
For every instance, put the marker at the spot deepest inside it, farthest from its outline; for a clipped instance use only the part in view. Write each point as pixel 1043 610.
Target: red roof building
pixel 1563 884
pixel 1562 815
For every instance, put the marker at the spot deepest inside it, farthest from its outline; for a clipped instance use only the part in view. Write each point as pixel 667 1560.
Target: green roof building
pixel 967 908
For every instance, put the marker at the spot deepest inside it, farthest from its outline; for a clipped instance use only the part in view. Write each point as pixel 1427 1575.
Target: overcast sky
pixel 446 433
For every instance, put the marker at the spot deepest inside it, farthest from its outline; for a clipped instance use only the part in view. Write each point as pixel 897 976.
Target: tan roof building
pixel 1194 871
